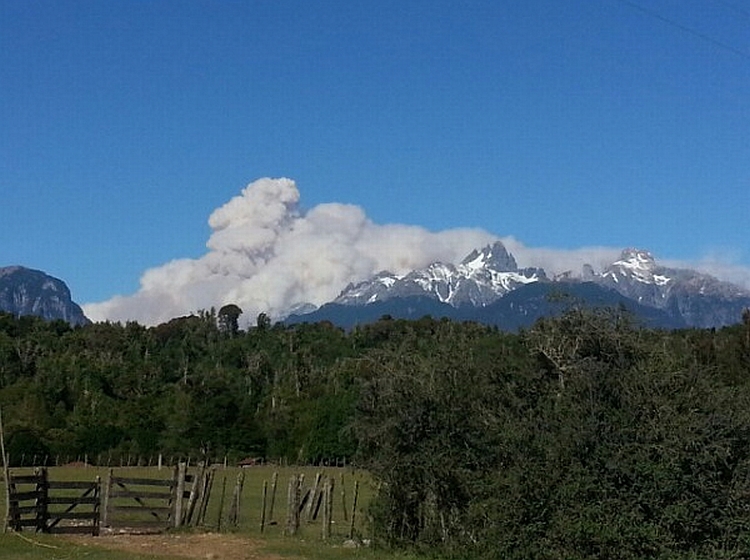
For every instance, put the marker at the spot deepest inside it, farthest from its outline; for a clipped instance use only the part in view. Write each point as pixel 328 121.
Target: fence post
pixel 274 480
pixel 97 507
pixel 313 495
pixel 354 509
pixel 263 507
pixel 207 486
pixel 194 493
pixel 221 502
pixel 105 498
pixel 343 499
pixel 179 491
pixel 14 523
pixel 327 507
pixel 6 475
pixel 234 509
pixel 293 498
pixel 42 500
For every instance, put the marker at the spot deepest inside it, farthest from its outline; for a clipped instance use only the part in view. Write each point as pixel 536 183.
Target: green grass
pixel 252 499
pixel 30 546
pixel 50 547
pixel 317 551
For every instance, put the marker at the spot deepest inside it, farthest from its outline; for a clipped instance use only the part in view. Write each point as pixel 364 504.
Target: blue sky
pixel 566 124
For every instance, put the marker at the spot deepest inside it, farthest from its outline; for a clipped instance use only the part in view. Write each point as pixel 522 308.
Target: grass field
pixel 53 547
pixel 49 547
pixel 271 543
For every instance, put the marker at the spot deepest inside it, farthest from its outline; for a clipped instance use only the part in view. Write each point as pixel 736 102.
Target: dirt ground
pixel 207 546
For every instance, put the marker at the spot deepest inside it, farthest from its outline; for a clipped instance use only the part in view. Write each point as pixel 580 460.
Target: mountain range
pixel 489 287
pixel 24 291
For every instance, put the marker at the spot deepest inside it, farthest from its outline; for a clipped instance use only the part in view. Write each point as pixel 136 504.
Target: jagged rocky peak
pixel 494 256
pixel 481 278
pixel 588 273
pixel 638 265
pixel 636 258
pixel 673 297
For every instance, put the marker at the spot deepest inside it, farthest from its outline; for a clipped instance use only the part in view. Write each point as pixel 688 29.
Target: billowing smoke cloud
pixel 267 255
pixel 560 261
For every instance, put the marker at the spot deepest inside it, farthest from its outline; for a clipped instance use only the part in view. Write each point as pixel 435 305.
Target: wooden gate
pixel 69 510
pixel 25 495
pixel 53 506
pixel 153 504
pixel 139 503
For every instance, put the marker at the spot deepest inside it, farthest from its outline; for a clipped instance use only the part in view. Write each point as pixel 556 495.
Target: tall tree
pixel 228 319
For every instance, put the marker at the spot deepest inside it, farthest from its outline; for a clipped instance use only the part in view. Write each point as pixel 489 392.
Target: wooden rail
pixel 44 506
pixel 146 503
pixel 152 504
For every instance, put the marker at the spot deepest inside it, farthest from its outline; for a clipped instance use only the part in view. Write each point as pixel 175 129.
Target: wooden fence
pixel 153 504
pixel 53 506
pixel 141 504
pixel 304 505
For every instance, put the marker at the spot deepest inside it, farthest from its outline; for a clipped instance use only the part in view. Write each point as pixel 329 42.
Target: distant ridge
pixel 489 287
pixel 25 291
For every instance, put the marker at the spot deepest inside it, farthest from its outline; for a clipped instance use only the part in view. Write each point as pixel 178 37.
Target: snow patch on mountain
pixel 488 274
pixel 480 279
pixel 637 265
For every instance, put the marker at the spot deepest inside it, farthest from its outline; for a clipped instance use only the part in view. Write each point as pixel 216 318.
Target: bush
pixel 25 447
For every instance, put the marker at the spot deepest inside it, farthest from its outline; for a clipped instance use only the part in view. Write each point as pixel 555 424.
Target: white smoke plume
pixel 722 266
pixel 266 254
pixel 561 261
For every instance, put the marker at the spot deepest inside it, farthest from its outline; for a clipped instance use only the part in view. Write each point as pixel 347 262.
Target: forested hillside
pixel 192 386
pixel 581 437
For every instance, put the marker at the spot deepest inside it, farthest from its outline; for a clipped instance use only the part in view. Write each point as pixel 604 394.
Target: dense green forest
pixel 581 437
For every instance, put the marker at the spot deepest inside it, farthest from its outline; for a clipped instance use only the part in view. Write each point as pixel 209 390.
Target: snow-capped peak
pixel 638 276
pixel 493 256
pixel 486 275
pixel 636 259
pixel 482 277
pixel 638 265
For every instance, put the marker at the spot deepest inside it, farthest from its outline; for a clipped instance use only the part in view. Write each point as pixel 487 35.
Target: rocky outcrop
pixel 24 291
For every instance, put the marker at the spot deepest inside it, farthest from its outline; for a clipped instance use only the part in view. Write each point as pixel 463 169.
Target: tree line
pixel 584 436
